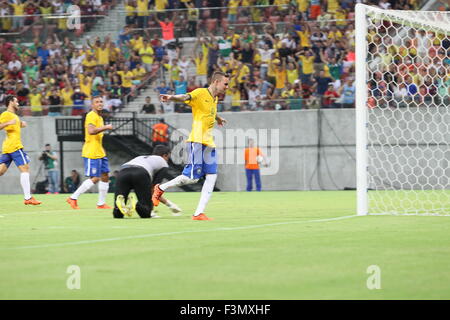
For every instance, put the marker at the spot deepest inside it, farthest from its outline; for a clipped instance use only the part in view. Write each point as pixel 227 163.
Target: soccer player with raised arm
pixel 12 149
pixel 95 161
pixel 201 147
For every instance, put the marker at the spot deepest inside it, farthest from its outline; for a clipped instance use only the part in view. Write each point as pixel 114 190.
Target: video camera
pixel 44 157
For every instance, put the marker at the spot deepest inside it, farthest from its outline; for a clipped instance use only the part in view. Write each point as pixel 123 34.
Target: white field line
pixel 150 235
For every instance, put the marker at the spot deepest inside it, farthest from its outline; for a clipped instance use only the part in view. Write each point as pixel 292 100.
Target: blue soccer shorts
pixel 202 160
pixel 19 157
pixel 95 167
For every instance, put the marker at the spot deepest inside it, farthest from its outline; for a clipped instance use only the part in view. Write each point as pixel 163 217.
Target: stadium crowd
pixel 19 16
pixel 291 56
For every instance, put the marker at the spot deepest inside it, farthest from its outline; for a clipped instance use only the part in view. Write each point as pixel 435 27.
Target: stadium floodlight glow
pixel 402 111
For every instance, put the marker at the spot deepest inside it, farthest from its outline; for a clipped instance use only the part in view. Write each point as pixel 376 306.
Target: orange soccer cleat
pixel 157 193
pixel 32 201
pixel 73 203
pixel 201 216
pixel 103 206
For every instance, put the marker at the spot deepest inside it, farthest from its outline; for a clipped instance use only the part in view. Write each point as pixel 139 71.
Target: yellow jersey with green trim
pixel 204 110
pixel 93 147
pixel 12 143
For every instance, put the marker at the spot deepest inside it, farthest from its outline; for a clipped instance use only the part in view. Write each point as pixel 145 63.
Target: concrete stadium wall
pixel 295 165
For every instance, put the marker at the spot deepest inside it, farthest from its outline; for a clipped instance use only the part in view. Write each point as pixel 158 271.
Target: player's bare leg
pixel 3 169
pixel 25 183
pixel 159 189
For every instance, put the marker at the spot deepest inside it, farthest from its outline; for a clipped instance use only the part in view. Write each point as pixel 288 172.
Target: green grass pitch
pixel 267 245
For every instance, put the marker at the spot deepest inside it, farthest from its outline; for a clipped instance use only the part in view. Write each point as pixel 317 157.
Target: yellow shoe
pixel 131 203
pixel 120 203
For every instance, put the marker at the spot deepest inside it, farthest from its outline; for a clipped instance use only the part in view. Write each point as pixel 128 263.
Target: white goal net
pixel 403 111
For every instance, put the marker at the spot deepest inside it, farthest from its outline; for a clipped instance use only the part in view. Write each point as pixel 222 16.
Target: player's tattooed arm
pixel 8 123
pixel 93 130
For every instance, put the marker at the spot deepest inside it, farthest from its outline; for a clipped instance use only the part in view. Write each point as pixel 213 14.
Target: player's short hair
pixel 217 75
pixel 9 98
pixel 161 150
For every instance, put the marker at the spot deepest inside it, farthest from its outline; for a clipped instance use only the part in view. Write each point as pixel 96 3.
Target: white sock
pixel 178 181
pixel 102 191
pixel 25 183
pixel 85 186
pixel 207 190
pixel 168 203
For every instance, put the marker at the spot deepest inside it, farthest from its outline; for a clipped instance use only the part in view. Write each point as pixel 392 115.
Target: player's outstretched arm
pixel 175 98
pixel 9 123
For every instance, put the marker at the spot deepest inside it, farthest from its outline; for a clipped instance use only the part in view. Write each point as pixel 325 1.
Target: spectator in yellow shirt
pixel 19 10
pixel 86 86
pixel 131 9
pixel 201 67
pixel 114 53
pixel 307 58
pixel 280 75
pixel 139 74
pixel 127 80
pixel 102 53
pixel 35 98
pixel 146 53
pixel 232 10
pixel 137 42
pixel 89 63
pixel 304 35
pixel 142 13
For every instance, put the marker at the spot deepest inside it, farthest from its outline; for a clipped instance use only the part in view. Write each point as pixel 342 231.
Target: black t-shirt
pixel 247 55
pixel 284 52
pixel 23 92
pixel 54 101
pixel 148 108
pixel 322 84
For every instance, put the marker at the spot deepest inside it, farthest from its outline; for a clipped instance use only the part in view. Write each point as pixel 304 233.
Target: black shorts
pixel 137 179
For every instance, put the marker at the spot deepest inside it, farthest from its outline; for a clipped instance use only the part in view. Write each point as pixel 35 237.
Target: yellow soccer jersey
pixel 12 142
pixel 93 147
pixel 204 109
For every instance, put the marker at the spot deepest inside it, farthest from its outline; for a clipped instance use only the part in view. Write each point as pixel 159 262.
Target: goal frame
pixel 361 94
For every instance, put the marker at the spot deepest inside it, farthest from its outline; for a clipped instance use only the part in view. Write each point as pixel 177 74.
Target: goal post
pixel 402 85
